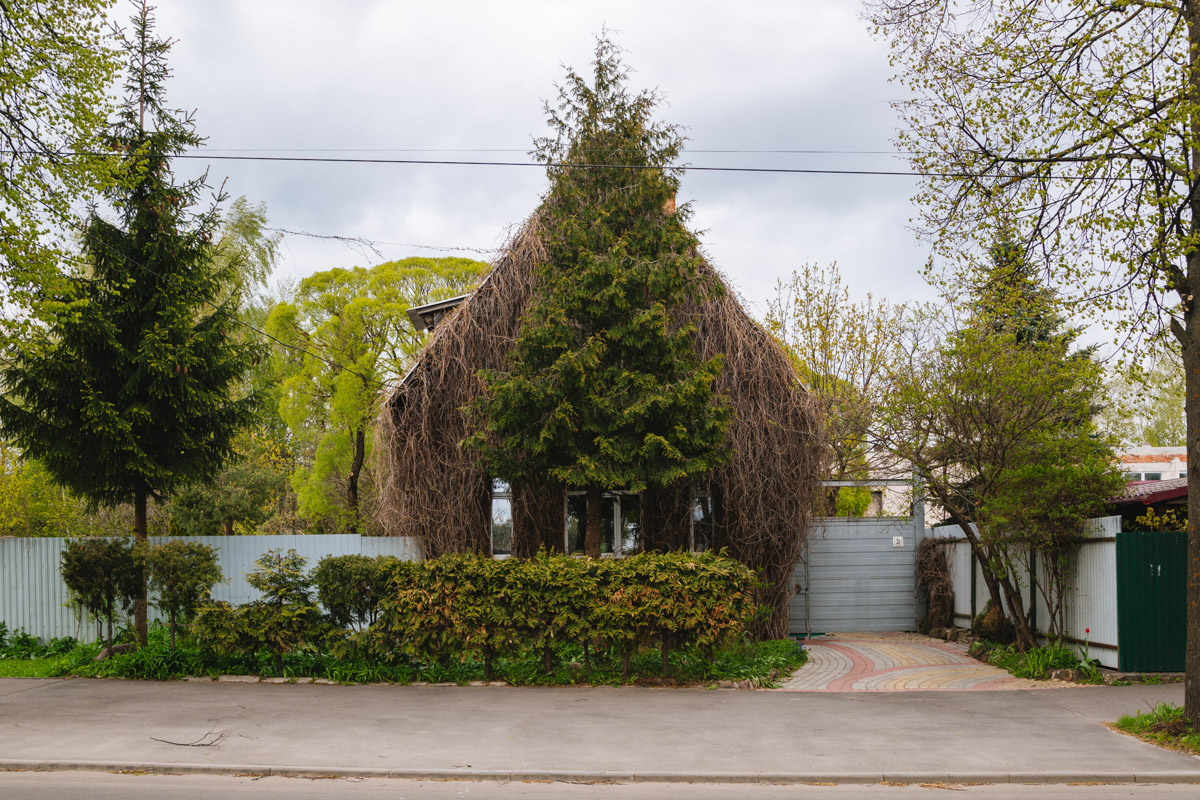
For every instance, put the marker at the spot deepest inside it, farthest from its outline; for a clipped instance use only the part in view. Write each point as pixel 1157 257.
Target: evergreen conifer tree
pixel 126 391
pixel 604 390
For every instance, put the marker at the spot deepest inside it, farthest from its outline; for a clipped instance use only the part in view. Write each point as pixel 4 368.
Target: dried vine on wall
pixel 429 487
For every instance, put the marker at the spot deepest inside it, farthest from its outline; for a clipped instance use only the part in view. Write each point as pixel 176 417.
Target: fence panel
pixel 1152 585
pixel 34 598
pixel 1091 600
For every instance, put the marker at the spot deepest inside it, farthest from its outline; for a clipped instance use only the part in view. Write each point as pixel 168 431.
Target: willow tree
pixel 604 390
pixel 126 390
pixel 349 331
pixel 1082 120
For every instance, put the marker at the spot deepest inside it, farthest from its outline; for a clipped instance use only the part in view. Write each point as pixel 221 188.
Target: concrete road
pixel 603 733
pixel 104 786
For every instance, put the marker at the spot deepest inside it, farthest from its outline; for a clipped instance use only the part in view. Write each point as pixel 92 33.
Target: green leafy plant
pixel 1165 725
pixel 102 577
pixel 281 622
pixel 181 574
pixel 351 586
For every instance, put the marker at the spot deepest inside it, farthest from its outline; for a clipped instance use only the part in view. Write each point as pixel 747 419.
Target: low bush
pixel 675 618
pixel 1036 664
pixel 283 621
pixel 20 645
pixel 991 624
pixel 180 574
pixel 102 576
pixel 350 587
pixel 458 605
pixel 1165 726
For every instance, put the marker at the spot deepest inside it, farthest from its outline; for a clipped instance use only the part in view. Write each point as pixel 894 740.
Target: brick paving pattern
pixel 898 662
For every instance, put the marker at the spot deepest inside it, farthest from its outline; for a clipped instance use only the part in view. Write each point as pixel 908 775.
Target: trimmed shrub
pixel 282 622
pixel 460 604
pixel 181 574
pixel 350 587
pixel 102 576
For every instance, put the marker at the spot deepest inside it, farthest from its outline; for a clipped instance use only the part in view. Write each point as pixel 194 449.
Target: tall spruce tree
pixel 126 391
pixel 604 390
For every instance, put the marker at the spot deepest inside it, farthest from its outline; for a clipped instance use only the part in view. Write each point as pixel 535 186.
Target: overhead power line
pixel 231 316
pixel 362 240
pixel 537 164
pixel 571 165
pixel 526 150
pixel 541 165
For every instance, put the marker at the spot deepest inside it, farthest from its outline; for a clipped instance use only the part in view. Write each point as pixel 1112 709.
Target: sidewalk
pixel 584 734
pixel 899 662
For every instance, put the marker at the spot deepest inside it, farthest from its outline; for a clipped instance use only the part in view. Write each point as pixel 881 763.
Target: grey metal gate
pixel 857 574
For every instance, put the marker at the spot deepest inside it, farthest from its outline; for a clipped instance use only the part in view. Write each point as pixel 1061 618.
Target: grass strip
pixel 1165 726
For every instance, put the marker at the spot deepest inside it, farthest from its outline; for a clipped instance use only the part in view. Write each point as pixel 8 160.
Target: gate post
pixel 918 522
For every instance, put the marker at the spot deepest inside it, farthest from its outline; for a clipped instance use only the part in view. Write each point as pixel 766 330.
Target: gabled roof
pixel 426 316
pixel 1151 492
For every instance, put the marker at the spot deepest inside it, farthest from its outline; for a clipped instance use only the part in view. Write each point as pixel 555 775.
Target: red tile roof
pixel 1150 492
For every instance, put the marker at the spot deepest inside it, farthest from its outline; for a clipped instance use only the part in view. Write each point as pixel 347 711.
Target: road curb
pixel 599 776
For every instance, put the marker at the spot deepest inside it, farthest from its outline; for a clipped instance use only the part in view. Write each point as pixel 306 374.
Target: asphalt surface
pixel 56 785
pixel 583 734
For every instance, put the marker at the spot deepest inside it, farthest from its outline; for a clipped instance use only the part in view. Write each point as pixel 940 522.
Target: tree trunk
pixel 591 541
pixel 360 452
pixel 1191 364
pixel 139 536
pixel 666 662
pixel 1188 334
pixel 228 526
pixel 547 658
pixel 1017 615
pixel 982 556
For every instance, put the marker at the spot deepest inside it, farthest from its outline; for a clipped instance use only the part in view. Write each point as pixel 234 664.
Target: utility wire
pixel 557 165
pixel 523 150
pixel 361 240
pixel 229 315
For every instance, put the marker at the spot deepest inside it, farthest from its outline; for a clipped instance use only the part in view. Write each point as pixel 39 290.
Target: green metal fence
pixel 1151 601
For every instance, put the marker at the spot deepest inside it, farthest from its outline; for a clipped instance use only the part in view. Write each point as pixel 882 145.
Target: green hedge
pixel 460 608
pixel 461 605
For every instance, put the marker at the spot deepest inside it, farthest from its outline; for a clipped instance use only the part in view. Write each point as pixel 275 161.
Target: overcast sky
pixel 393 75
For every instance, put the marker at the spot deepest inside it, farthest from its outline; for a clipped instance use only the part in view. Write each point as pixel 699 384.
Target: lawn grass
pixel 763 663
pixel 1164 726
pixel 50 667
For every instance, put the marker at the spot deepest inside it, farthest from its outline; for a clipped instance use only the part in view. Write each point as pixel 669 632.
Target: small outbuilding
pixel 757 506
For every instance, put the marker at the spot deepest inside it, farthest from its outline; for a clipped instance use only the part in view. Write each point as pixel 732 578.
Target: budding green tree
pixel 1079 118
pixel 346 331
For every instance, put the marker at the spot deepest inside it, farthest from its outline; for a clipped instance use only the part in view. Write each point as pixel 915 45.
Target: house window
pixel 620 523
pixel 702 520
pixel 1152 476
pixel 502 523
pixel 1133 476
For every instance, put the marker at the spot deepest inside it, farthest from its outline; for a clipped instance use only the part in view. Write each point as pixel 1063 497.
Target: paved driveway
pixel 898 662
